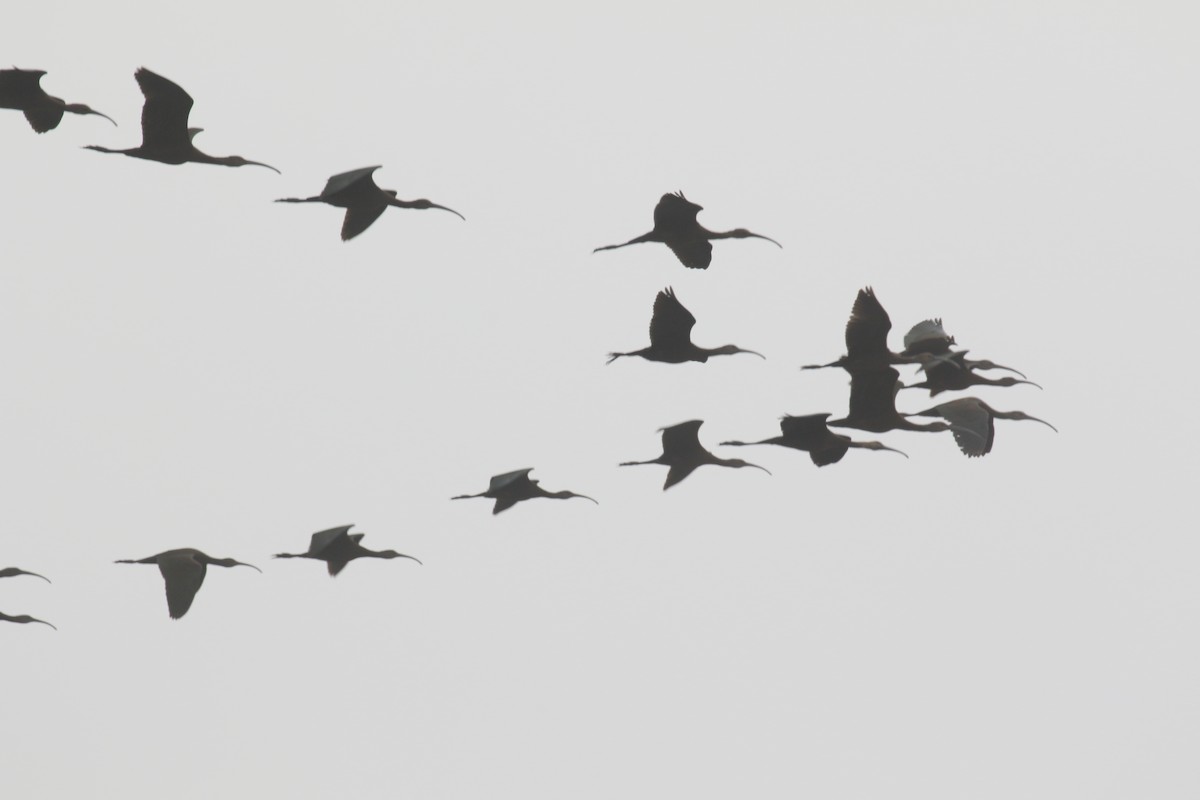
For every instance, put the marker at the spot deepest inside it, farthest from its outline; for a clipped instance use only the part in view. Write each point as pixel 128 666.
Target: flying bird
pixel 12 572
pixel 166 136
pixel 675 226
pixel 955 373
pixel 873 405
pixel 513 487
pixel 975 423
pixel 183 572
pixel 683 453
pixel 866 338
pixel 337 547
pixel 23 618
pixel 810 433
pixel 357 192
pixel 21 89
pixel 671 335
pixel 927 336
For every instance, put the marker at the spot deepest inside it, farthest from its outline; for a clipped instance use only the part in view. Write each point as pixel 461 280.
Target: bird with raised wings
pixel 357 192
pixel 866 338
pixel 337 547
pixel 22 90
pixel 513 487
pixel 675 226
pixel 183 572
pixel 810 433
pixel 683 453
pixel 671 335
pixel 166 137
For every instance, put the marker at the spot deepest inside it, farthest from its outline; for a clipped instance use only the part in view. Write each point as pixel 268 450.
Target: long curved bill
pixel 756 466
pixel 451 210
pixel 894 450
pixel 1031 383
pixel 585 497
pixel 31 619
pixel 993 365
pixel 752 352
pixel 251 566
pixel 768 238
pixel 115 125
pixel 1047 424
pixel 268 166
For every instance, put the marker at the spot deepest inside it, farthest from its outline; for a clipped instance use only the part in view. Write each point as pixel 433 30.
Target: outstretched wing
pixel 359 218
pixel 682 441
pixel 867 329
pixel 808 428
pixel 165 112
pixel 183 576
pixel 506 480
pixel 974 428
pixel 671 325
pixel 674 210
pixel 927 336
pixel 321 540
pixel 44 118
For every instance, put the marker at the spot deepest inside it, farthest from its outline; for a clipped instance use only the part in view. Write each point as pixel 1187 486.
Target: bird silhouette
pixel 183 572
pixel 513 487
pixel 21 89
pixel 873 405
pixel 972 416
pixel 23 619
pixel 671 335
pixel 337 547
pixel 357 192
pixel 166 136
pixel 12 572
pixel 927 336
pixel 675 226
pixel 955 373
pixel 683 453
pixel 866 338
pixel 810 433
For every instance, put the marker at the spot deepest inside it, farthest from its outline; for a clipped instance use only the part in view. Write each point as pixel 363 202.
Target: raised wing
pixel 339 185
pixel 675 210
pixel 671 325
pixel 165 112
pixel 867 329
pixel 683 439
pixel 321 540
pixel 927 336
pixel 19 87
pixel 506 480
pixel 183 576
pixel 807 428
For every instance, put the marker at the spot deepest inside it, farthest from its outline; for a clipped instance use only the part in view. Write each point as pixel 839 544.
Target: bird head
pixel 394 554
pixel 742 233
pixel 427 204
pixel 238 161
pixel 731 349
pixel 229 562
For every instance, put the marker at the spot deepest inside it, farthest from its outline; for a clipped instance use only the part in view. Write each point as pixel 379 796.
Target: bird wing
pixel 183 576
pixel 165 112
pixel 808 428
pixel 671 325
pixel 676 473
pixel 828 453
pixel 674 210
pixel 695 253
pixel 19 86
pixel 682 439
pixel 927 336
pixel 873 393
pixel 867 329
pixel 323 539
pixel 505 502
pixel 359 218
pixel 974 429
pixel 44 118
pixel 347 181
pixel 506 480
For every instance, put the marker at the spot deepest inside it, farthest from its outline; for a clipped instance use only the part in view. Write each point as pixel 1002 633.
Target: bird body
pixel 23 618
pixel 357 192
pixel 671 335
pixel 166 137
pixel 683 453
pixel 183 572
pixel 972 415
pixel 955 373
pixel 513 487
pixel 873 404
pixel 810 433
pixel 21 89
pixel 337 547
pixel 675 226
pixel 12 572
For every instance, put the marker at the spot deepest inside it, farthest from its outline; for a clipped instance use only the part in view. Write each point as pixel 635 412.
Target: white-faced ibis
pixel 927 336
pixel 671 335
pixel 337 547
pixel 954 373
pixel 675 226
pixel 866 338
pixel 975 422
pixel 357 192
pixel 183 571
pixel 810 433
pixel 873 404
pixel 166 136
pixel 683 453
pixel 513 487
pixel 23 619
pixel 12 572
pixel 21 89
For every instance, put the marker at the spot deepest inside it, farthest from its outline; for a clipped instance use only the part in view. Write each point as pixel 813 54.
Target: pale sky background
pixel 187 364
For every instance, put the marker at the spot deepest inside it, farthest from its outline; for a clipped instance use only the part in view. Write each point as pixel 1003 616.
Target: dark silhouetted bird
pixel 166 136
pixel 21 89
pixel 683 453
pixel 337 547
pixel 513 487
pixel 357 192
pixel 810 433
pixel 671 335
pixel 955 372
pixel 12 572
pixel 183 571
pixel 675 226
pixel 23 618
pixel 974 422
pixel 866 338
pixel 873 404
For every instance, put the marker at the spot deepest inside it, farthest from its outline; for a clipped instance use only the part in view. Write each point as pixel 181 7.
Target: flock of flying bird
pixel 874 379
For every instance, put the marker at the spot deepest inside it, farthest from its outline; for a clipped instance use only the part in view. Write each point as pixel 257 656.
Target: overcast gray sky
pixel 187 364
